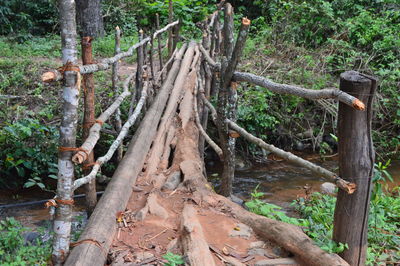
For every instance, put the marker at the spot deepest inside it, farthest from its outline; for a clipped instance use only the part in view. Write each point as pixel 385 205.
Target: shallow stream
pixel 281 182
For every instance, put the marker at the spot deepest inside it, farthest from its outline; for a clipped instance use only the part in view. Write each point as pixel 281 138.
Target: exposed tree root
pixel 192 239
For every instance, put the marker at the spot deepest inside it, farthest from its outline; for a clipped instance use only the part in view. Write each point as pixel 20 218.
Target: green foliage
pixel 129 14
pixel 317 218
pixel 26 18
pixel 14 250
pixel 254 104
pixel 384 219
pixel 28 151
pixel 315 226
pixel 173 259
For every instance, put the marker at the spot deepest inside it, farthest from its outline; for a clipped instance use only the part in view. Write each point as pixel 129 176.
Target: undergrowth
pixel 317 211
pixel 16 251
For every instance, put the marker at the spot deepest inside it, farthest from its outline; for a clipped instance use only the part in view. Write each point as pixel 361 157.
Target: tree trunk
pixel 69 120
pixel 90 17
pixel 356 163
pixel 222 107
pixel 88 121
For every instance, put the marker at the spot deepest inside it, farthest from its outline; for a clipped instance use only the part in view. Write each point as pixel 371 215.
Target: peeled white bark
pixel 69 120
pixel 117 142
pixel 94 133
pixel 55 75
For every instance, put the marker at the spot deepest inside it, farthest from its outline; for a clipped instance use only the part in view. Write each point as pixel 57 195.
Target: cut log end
pixel 49 77
pixel 359 105
pixel 246 21
pixel 79 157
pixel 350 188
pixel 234 134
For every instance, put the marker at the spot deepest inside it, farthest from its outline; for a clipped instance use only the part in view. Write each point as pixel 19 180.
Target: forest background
pixel 307 43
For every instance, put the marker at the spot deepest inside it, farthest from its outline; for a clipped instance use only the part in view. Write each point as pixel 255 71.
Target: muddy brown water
pixel 280 181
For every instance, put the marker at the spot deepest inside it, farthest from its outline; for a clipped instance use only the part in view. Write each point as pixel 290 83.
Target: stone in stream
pixel 328 188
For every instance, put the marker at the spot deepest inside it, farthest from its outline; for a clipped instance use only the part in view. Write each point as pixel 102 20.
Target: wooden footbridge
pixel 158 199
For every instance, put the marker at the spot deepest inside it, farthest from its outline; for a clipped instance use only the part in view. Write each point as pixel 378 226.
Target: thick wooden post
pixel 88 121
pixel 356 162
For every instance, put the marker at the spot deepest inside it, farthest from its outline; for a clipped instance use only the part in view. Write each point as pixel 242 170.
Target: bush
pixel 25 18
pixel 317 219
pixel 28 151
pixel 15 250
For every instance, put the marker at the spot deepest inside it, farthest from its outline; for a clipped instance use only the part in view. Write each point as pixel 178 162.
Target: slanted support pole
pixel 88 121
pixel 69 120
pixel 356 163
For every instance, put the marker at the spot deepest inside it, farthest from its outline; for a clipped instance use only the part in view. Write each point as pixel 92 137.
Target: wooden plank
pixel 101 226
pixel 356 163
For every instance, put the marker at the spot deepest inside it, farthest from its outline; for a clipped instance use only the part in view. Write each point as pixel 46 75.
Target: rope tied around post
pixel 89 165
pixel 88 241
pixel 75 149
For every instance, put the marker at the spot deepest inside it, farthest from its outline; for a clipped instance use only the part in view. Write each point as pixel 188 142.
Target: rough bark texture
pixel 88 121
pixel 94 132
pixel 356 163
pixel 69 120
pixel 90 17
pixel 102 226
pixel 170 32
pixel 227 104
pixel 223 108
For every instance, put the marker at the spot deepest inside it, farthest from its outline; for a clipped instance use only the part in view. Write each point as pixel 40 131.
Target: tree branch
pixel 94 133
pixel 346 186
pixel 299 91
pixel 55 75
pixel 117 142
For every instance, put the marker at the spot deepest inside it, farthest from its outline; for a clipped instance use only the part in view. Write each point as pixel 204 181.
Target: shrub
pixel 28 152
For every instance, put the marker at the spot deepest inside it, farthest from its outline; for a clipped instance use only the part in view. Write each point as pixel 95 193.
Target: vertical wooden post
pixel 139 74
pixel 170 33
pixel 118 122
pixel 69 120
pixel 356 163
pixel 159 45
pixel 88 121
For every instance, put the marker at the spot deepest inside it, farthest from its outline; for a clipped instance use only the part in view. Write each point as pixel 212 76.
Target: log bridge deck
pixel 159 200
